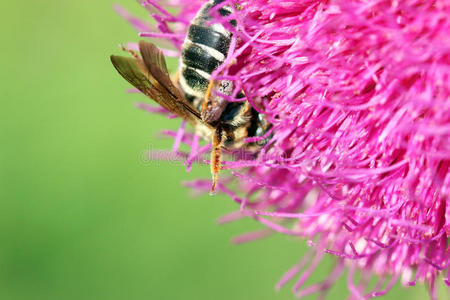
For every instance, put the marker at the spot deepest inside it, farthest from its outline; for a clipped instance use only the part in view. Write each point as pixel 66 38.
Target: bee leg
pixel 217 144
pixel 208 101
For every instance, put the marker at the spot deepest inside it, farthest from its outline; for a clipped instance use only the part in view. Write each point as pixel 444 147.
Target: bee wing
pixel 136 72
pixel 155 63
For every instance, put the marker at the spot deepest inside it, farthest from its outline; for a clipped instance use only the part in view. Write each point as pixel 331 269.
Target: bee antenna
pixel 132 52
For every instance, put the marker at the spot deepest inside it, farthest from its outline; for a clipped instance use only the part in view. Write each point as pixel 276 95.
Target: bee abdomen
pixel 204 50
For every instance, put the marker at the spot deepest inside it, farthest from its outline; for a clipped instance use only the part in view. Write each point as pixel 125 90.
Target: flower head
pixel 358 95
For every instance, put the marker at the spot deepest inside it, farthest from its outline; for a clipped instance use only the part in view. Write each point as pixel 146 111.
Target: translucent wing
pixel 156 64
pixel 152 79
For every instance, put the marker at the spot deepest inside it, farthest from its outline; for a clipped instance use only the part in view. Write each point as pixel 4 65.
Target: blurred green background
pixel 82 217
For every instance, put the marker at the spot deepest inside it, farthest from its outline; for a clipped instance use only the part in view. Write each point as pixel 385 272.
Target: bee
pixel 191 97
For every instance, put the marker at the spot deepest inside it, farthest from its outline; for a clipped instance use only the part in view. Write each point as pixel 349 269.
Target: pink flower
pixel 358 93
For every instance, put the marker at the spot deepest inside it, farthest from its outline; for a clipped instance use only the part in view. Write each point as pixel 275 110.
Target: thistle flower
pixel 358 93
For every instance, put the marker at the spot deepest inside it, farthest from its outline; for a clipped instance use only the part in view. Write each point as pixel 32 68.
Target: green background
pixel 82 215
